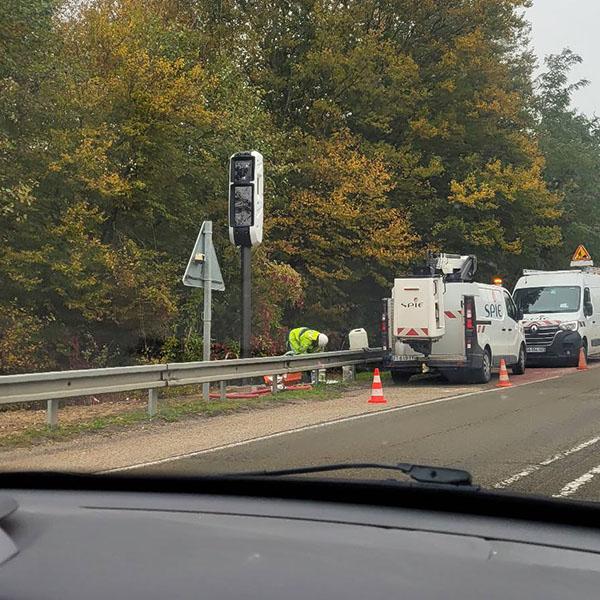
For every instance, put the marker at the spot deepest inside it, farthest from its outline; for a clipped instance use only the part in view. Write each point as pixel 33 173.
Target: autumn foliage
pixel 388 127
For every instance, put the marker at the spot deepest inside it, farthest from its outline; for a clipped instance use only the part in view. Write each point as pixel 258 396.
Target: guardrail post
pixel 274 388
pixel 52 413
pixel 222 392
pixel 314 376
pixel 152 402
pixel 348 373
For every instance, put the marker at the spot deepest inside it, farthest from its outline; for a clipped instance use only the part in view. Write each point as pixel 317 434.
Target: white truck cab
pixel 439 319
pixel 561 314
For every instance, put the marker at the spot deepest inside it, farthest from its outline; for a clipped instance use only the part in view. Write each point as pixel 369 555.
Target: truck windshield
pixel 555 299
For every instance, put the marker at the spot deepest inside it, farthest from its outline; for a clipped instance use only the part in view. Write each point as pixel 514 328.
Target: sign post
pixel 246 228
pixel 207 312
pixel 203 271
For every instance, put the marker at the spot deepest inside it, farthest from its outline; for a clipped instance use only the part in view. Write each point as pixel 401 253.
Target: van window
pixel 552 299
pixel 511 309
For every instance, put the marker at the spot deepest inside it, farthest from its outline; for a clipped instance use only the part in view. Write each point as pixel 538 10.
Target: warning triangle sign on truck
pixel 581 257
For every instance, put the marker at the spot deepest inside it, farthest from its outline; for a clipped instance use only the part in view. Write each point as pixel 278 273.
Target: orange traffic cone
pixel 503 380
pixel 377 390
pixel 582 366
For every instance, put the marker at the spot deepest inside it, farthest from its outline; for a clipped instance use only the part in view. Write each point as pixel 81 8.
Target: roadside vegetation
pixel 130 414
pixel 388 127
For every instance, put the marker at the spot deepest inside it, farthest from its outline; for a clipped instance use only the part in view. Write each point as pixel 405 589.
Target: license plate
pixel 536 349
pixel 405 358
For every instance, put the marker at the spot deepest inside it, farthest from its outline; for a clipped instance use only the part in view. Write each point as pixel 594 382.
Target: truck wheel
pixel 484 373
pixel 519 367
pixel 400 376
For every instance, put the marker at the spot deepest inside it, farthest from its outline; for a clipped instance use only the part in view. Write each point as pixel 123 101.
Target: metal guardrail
pixel 55 385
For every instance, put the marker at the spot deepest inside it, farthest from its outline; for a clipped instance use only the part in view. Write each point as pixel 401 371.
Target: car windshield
pixel 239 236
pixel 552 299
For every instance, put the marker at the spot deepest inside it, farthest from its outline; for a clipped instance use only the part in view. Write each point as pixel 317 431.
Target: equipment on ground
pixel 358 339
pixel 503 379
pixel 377 396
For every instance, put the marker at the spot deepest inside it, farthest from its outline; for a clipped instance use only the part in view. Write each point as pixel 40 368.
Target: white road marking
pixel 573 486
pixel 534 468
pixel 271 436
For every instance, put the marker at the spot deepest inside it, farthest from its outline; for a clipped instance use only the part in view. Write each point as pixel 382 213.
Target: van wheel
pixel 519 367
pixel 484 373
pixel 455 376
pixel 400 376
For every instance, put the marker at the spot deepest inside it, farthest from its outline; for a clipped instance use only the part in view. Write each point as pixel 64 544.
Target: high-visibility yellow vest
pixel 303 340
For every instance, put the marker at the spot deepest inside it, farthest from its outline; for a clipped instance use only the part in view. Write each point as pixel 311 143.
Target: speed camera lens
pixel 242 206
pixel 242 171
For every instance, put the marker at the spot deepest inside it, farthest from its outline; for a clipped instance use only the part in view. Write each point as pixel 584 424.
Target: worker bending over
pixel 303 340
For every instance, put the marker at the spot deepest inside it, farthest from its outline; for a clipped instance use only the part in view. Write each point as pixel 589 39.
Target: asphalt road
pixel 542 437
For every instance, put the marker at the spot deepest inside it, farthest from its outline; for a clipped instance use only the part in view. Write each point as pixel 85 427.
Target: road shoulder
pixel 157 441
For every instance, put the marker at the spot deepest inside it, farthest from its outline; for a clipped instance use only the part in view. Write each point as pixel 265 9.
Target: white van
pixel 481 325
pixel 561 314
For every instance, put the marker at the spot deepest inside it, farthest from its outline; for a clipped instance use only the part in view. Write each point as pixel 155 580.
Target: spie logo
pixel 416 303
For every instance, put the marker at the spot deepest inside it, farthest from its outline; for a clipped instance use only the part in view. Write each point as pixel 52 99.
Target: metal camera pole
pixel 246 208
pixel 246 301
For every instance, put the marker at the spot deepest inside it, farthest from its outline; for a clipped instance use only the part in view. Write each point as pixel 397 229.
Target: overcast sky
pixel 574 24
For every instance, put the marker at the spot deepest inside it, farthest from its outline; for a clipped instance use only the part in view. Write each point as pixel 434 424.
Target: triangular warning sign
pixel 202 255
pixel 581 254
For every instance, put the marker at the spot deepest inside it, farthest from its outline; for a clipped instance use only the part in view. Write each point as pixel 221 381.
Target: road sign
pixel 203 271
pixel 581 257
pixel 202 262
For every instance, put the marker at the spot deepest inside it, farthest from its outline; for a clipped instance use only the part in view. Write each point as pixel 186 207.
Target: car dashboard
pixel 127 543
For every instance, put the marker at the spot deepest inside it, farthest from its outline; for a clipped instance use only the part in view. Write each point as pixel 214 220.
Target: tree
pixel 570 142
pixel 339 230
pixel 388 127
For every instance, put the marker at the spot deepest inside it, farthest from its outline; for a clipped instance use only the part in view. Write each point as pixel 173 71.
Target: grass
pixel 170 411
pixel 367 376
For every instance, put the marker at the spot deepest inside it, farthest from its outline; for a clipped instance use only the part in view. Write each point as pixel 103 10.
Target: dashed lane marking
pixel 573 486
pixel 536 467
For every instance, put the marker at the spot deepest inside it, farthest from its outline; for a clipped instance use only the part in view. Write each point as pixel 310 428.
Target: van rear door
pixel 490 306
pixel 512 327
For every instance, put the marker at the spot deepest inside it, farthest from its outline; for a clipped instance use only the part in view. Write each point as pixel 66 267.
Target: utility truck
pixel 439 318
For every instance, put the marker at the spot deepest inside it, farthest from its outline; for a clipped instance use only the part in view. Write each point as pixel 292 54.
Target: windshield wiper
pixel 420 473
